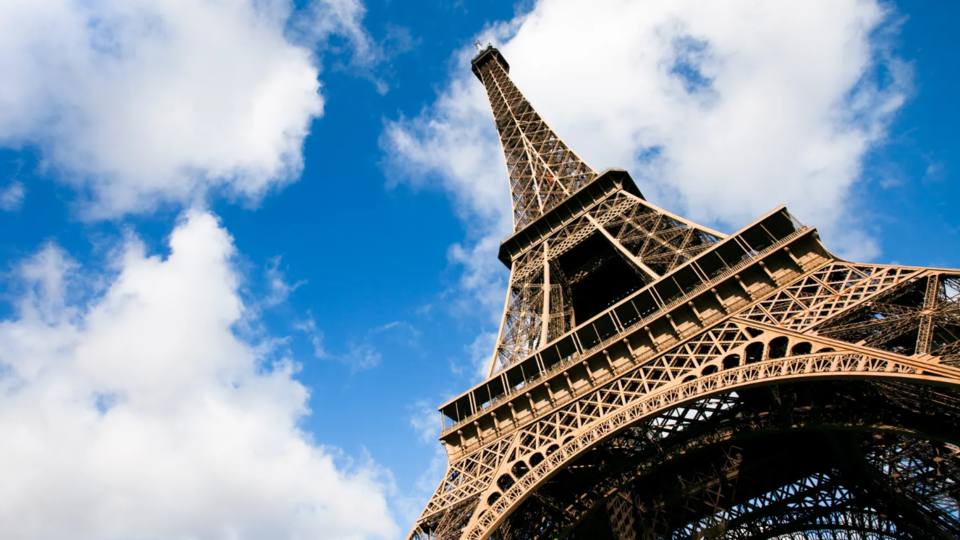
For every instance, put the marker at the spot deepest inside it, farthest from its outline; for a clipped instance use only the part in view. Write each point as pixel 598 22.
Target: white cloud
pixel 142 414
pixel 481 353
pixel 424 421
pixel 361 356
pixel 144 103
pixel 279 288
pixel 364 353
pixel 721 111
pixel 325 19
pixel 309 327
pixel 454 142
pixel 11 196
pixel 484 277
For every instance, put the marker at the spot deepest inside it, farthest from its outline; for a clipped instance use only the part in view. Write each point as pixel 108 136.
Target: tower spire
pixel 543 170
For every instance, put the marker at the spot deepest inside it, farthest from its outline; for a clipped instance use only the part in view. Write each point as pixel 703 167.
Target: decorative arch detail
pixel 830 365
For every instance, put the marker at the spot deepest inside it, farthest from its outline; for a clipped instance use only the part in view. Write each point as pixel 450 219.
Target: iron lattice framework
pixel 656 379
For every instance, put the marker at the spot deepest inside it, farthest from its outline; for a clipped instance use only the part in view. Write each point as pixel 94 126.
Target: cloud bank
pixel 130 409
pixel 144 103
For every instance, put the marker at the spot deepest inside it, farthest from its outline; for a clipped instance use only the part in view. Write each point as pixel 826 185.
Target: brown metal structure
pixel 653 378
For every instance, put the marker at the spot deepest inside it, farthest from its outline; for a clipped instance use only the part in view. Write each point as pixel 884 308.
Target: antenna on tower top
pixel 479 47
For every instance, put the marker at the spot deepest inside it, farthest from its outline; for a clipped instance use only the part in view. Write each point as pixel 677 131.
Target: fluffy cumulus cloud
pixel 424 421
pixel 721 111
pixel 130 408
pixel 141 103
pixel 11 196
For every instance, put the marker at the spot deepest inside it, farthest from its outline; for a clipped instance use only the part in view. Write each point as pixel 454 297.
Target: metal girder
pixel 653 240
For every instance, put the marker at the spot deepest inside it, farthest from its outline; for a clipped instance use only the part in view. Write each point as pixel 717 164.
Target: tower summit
pixel 653 378
pixel 543 170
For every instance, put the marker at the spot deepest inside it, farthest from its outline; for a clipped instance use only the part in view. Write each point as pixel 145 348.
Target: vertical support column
pixel 545 330
pixel 925 332
pixel 503 323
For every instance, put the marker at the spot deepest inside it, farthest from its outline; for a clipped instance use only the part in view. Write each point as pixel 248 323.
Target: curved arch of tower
pixel 654 378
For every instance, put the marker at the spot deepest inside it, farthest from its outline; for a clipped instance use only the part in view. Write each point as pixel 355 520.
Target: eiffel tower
pixel 654 378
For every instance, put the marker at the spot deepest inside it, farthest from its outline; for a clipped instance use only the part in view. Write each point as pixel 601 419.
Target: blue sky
pixel 350 252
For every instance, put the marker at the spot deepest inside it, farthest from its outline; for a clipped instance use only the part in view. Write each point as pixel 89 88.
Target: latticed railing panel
pixel 825 293
pixel 899 309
